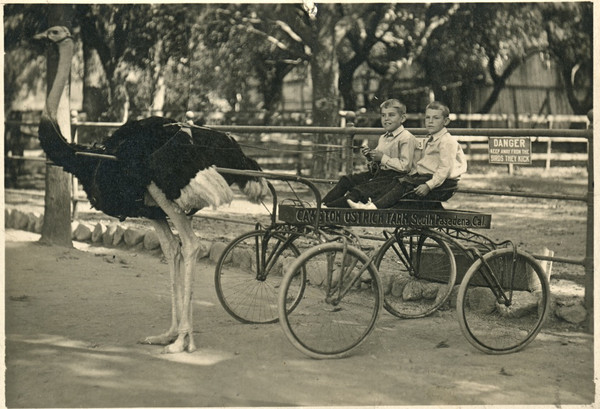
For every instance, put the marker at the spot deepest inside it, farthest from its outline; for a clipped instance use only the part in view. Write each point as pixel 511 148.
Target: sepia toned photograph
pixel 284 204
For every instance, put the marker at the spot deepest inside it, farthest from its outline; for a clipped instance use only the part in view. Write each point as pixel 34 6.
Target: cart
pixel 308 270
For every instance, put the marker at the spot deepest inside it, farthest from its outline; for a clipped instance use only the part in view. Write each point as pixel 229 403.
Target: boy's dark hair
pixel 393 103
pixel 439 105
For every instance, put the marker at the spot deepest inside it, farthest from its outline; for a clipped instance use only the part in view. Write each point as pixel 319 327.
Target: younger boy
pixel 392 158
pixel 441 165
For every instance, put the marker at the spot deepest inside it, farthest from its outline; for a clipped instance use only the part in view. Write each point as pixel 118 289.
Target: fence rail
pixel 282 153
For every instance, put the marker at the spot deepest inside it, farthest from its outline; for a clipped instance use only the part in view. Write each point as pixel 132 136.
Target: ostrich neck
pixel 63 71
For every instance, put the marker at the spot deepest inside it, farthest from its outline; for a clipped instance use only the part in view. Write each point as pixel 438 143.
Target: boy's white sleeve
pixel 447 153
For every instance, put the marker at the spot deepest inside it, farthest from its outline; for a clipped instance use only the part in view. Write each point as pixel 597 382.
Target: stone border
pixel 107 235
pixel 569 309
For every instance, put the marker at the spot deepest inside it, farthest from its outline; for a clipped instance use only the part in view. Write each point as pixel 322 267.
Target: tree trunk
pixel 118 110
pixel 580 105
pixel 500 80
pixel 158 87
pixel 346 86
pixel 271 87
pixel 57 203
pixel 56 229
pixel 95 86
pixel 327 161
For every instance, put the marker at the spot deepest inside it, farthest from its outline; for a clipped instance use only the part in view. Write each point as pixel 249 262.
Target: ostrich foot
pixel 184 342
pixel 163 339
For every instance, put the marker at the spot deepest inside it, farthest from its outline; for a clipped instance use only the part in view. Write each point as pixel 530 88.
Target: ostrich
pixel 163 170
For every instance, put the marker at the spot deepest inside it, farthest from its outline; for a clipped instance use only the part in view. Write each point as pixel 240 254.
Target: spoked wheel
pixel 419 272
pixel 340 304
pixel 503 301
pixel 249 273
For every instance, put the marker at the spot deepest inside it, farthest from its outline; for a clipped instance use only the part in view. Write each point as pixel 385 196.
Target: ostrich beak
pixel 55 34
pixel 41 36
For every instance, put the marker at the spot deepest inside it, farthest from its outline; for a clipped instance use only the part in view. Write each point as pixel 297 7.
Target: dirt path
pixel 73 317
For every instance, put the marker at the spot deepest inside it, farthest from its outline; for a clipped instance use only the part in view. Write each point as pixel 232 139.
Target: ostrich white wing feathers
pixel 207 188
pixel 256 190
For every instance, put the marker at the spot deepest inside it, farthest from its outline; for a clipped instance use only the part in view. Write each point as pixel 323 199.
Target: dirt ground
pixel 74 316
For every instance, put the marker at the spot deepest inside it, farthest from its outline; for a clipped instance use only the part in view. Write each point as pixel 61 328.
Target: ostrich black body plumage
pixel 154 149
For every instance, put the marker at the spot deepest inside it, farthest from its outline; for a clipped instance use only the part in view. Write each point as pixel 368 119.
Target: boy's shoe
pixel 354 205
pixel 370 205
pixel 364 206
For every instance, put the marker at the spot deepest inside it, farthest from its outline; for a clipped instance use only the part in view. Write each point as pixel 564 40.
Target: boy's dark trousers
pixel 360 187
pixel 403 186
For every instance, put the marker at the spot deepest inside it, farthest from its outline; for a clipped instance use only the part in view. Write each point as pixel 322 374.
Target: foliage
pixel 23 56
pixel 254 53
pixel 481 42
pixel 125 38
pixel 233 56
pixel 569 28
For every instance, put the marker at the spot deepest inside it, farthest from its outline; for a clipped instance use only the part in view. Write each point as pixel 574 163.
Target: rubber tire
pixel 485 338
pixel 301 324
pixel 255 310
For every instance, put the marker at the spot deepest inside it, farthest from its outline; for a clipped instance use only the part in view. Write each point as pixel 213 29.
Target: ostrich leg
pixel 171 248
pixel 190 248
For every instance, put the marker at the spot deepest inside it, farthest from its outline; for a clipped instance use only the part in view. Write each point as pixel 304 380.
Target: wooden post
pixel 589 245
pixel 549 113
pixel 349 142
pixel 511 168
pixel 57 203
pixel 548 153
pixel 75 184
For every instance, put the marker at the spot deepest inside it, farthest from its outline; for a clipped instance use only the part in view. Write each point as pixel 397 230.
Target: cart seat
pixel 433 201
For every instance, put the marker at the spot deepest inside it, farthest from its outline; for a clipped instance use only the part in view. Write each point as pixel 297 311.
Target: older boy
pixel 392 158
pixel 442 164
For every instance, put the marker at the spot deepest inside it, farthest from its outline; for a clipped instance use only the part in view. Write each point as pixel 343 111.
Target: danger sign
pixel 515 150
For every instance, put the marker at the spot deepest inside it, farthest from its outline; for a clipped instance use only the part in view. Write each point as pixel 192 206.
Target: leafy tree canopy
pixel 242 52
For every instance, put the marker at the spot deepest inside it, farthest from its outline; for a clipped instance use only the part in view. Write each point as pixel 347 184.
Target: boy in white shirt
pixel 392 158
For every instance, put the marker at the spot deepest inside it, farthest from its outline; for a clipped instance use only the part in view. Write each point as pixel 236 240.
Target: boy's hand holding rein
pixel 422 190
pixel 376 155
pixel 365 151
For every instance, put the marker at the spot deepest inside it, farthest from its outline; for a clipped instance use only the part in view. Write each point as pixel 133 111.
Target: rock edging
pixel 107 235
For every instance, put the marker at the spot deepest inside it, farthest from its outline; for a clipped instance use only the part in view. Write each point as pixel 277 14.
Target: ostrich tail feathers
pixel 256 190
pixel 207 188
pixel 54 144
pixel 64 154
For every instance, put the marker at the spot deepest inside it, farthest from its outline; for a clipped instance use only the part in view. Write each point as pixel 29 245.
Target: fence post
pixel 589 245
pixel 349 142
pixel 548 153
pixel 549 146
pixel 189 117
pixel 74 181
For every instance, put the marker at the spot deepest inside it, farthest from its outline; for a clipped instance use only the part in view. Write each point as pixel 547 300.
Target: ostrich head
pixel 54 34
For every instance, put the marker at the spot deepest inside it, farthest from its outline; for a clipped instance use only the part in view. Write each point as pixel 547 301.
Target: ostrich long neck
pixel 51 138
pixel 63 69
